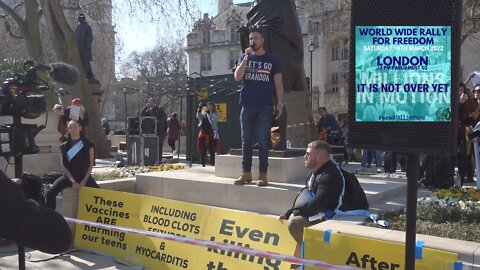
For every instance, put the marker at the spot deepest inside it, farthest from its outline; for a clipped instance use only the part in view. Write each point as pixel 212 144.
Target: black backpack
pixel 354 197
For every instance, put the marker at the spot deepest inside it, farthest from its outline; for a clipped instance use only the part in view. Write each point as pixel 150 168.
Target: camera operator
pixel 28 223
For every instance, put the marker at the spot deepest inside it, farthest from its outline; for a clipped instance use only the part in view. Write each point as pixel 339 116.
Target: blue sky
pixel 141 36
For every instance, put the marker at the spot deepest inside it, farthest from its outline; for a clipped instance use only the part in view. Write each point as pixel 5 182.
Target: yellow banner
pixel 222 112
pixel 179 218
pixel 248 230
pixel 365 253
pixel 202 94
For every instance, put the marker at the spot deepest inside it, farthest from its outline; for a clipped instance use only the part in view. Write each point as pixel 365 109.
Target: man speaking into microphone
pixel 261 76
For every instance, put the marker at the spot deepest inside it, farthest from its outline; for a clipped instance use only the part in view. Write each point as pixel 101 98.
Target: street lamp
pixel 125 104
pixel 311 48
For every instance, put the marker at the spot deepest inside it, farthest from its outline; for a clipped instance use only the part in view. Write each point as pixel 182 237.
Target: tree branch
pixel 8 27
pixel 12 13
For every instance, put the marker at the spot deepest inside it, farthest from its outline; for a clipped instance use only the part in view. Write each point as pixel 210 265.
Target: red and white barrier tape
pixel 215 245
pixel 301 124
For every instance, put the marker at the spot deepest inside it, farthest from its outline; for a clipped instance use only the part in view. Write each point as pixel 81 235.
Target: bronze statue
pixel 278 22
pixel 84 36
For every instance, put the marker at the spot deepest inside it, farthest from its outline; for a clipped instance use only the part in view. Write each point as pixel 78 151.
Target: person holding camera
pixel 207 116
pixel 77 160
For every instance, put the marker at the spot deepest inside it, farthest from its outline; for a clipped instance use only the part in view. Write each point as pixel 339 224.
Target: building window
pixel 345 52
pixel 206 36
pixel 335 53
pixel 206 61
pixel 234 56
pixel 334 78
pixel 333 90
pixel 313 28
pixel 345 76
pixel 234 36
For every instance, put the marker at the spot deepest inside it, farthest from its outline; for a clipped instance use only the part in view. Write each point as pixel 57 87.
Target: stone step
pixel 200 185
pixel 280 169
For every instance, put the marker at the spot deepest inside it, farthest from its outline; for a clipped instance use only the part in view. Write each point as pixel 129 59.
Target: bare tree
pixel 27 26
pixel 22 20
pixel 164 68
pixel 471 19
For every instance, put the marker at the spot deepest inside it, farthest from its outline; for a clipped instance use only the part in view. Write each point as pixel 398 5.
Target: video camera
pixel 22 96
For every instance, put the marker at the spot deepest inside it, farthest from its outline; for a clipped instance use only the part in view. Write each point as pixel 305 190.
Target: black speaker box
pixel 148 125
pixel 150 150
pixel 133 126
pixel 134 150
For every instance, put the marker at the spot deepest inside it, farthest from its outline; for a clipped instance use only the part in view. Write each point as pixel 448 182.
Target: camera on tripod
pixel 22 96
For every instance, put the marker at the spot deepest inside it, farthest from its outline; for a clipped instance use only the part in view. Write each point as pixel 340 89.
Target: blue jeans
pixel 379 158
pixel 257 117
pixel 366 157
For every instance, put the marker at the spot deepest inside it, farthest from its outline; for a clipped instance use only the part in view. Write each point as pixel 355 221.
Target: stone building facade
pixel 213 46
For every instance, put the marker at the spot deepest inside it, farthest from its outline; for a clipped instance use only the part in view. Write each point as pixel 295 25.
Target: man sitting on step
pixel 324 195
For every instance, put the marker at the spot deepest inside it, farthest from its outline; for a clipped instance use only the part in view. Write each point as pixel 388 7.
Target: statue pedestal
pixel 286 166
pixel 96 95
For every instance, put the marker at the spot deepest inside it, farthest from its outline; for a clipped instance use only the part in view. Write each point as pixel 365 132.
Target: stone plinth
pixel 291 152
pixel 199 185
pixel 97 92
pixel 67 202
pixel 280 169
pixel 117 139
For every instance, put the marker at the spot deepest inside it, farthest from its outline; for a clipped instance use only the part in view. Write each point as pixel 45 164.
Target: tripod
pixel 18 161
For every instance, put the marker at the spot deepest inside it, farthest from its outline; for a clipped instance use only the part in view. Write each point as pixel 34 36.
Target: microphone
pixel 252 46
pixel 60 72
pixel 39 65
pixel 64 73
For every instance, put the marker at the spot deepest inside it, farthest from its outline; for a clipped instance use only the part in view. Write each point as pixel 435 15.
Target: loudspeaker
pixel 134 150
pixel 132 126
pixel 148 125
pixel 150 149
